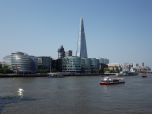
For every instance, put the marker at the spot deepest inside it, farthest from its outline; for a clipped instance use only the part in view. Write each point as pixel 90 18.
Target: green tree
pixel 103 68
pixel 5 70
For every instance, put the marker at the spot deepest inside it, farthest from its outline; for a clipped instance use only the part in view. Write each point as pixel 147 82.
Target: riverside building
pixel 44 63
pixel 94 65
pixel 81 65
pixel 71 64
pixel 103 61
pixel 86 65
pixel 20 62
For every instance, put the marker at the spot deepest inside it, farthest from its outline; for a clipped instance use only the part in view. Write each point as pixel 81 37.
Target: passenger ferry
pixel 111 81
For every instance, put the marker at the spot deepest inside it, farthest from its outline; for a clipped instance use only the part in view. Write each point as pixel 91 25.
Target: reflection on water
pixel 20 92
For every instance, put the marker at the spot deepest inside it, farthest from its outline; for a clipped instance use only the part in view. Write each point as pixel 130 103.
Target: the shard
pixel 81 46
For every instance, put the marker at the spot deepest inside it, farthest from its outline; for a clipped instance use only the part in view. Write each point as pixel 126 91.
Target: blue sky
pixel 120 30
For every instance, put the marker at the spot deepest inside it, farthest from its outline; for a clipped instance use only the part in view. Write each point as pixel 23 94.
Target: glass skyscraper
pixel 81 46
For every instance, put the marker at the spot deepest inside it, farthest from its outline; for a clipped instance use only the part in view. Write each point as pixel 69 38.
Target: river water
pixel 75 95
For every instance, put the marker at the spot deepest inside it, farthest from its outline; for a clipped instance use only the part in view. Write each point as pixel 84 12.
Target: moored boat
pixel 111 81
pixel 55 75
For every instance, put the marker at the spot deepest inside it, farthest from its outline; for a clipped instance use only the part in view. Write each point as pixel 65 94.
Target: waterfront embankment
pixel 22 75
pixel 57 74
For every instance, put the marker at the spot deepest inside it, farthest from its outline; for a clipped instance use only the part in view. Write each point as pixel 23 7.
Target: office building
pixel 103 61
pixel 44 63
pixel 68 53
pixel 21 62
pixel 86 65
pixel 94 65
pixel 56 65
pixel 61 52
pixel 71 64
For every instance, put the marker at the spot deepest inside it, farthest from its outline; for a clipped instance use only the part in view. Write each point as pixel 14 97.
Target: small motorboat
pixel 111 81
pixel 144 76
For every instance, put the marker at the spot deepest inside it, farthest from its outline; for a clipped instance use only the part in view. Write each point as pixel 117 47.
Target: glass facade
pixel 81 46
pixel 103 61
pixel 44 63
pixel 78 64
pixel 22 63
pixel 71 64
pixel 86 65
pixel 94 65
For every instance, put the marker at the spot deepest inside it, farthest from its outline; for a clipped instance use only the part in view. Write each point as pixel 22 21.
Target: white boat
pixel 56 75
pixel 111 81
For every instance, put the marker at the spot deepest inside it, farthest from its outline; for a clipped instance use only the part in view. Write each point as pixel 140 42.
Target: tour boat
pixel 111 81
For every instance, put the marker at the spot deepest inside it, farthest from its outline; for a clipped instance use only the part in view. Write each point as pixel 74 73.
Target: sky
pixel 120 30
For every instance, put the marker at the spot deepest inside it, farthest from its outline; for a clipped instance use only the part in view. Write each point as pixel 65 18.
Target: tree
pixel 103 68
pixel 5 69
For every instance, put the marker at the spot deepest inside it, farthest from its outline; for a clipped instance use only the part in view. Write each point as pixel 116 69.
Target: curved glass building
pixel 22 63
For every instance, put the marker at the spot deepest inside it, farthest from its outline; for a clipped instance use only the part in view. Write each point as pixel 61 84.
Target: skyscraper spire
pixel 81 46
